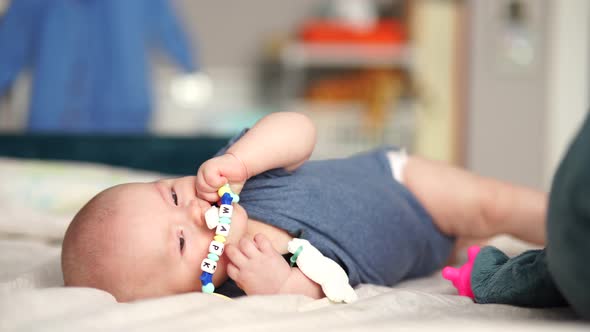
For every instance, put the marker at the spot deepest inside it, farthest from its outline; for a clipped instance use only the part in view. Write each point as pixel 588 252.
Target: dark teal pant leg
pixel 568 250
pixel 523 280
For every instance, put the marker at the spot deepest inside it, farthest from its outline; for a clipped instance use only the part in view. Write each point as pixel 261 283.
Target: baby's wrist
pixel 287 286
pixel 243 167
pixel 297 283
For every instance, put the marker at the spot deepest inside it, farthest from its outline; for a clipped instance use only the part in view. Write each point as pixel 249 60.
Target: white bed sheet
pixel 32 298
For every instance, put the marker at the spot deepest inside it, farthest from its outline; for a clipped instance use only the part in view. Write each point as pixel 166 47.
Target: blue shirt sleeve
pixel 168 33
pixel 17 35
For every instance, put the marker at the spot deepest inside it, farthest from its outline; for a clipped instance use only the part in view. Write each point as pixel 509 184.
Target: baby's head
pixel 143 240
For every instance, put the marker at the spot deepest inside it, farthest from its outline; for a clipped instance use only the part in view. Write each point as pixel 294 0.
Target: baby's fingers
pixel 213 177
pixel 236 256
pixel 248 248
pixel 233 271
pixel 263 243
pixel 204 190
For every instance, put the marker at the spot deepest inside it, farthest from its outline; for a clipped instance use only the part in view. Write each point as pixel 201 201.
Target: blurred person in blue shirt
pixel 88 60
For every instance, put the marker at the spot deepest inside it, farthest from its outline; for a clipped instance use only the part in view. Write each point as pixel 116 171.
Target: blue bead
pixel 206 278
pixel 224 220
pixel 213 257
pixel 226 199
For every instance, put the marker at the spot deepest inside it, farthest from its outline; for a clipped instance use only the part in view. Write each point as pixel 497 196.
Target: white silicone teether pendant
pixel 212 217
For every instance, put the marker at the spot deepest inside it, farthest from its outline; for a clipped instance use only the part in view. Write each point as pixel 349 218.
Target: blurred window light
pixel 3 6
pixel 191 90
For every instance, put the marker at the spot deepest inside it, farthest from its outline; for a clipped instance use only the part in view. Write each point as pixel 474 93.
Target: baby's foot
pixel 461 277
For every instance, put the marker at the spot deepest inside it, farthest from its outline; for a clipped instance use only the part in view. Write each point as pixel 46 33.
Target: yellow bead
pixel 223 190
pixel 219 238
pixel 222 296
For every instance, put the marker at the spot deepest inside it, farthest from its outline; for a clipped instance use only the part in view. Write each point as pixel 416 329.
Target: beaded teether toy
pixel 221 221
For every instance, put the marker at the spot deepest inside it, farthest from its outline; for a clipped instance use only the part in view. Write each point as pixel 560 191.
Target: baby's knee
pixel 491 211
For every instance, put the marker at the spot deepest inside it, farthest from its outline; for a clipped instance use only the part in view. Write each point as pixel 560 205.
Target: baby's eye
pixel 181 240
pixel 174 197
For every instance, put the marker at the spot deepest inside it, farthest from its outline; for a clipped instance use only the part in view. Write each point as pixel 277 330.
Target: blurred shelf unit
pixel 357 94
pixel 308 55
pixel 344 129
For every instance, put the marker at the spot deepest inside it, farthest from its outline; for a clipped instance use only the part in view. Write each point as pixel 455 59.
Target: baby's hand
pixel 218 171
pixel 256 266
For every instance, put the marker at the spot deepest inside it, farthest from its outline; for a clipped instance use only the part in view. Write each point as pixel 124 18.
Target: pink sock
pixel 461 277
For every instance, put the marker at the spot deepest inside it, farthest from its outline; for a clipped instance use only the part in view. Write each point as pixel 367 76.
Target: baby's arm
pixel 282 139
pixel 258 268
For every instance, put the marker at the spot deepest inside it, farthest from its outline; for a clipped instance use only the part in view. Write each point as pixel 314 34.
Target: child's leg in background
pixel 463 204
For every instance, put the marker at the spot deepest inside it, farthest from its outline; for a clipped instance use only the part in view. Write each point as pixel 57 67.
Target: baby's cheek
pixel 201 251
pixel 172 278
pixel 190 283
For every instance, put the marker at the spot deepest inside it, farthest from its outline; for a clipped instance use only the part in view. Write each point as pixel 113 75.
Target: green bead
pixel 213 257
pixel 224 220
pixel 235 198
pixel 208 288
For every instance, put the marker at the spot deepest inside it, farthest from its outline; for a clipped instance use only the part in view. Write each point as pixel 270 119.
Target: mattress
pixel 39 198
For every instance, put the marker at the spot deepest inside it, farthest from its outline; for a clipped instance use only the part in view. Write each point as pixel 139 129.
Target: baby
pixel 381 216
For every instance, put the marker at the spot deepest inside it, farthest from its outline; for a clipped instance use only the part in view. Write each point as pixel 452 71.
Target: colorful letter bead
pixel 216 248
pixel 226 210
pixel 208 265
pixel 220 219
pixel 222 229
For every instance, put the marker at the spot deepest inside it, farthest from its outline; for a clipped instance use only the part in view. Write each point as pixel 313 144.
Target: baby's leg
pixel 463 204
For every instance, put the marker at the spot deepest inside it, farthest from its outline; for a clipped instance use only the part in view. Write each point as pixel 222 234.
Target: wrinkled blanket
pixel 37 200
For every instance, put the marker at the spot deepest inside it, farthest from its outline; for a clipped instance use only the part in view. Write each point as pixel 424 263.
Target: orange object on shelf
pixel 332 31
pixel 375 88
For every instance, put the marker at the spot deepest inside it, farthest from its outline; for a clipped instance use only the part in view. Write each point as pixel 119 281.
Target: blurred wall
pixel 230 37
pixel 522 118
pixel 569 77
pixel 234 30
pixel 507 106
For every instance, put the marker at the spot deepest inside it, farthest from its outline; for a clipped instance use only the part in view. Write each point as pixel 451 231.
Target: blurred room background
pixel 497 86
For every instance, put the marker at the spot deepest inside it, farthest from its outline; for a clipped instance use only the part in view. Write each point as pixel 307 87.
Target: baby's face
pixel 164 237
